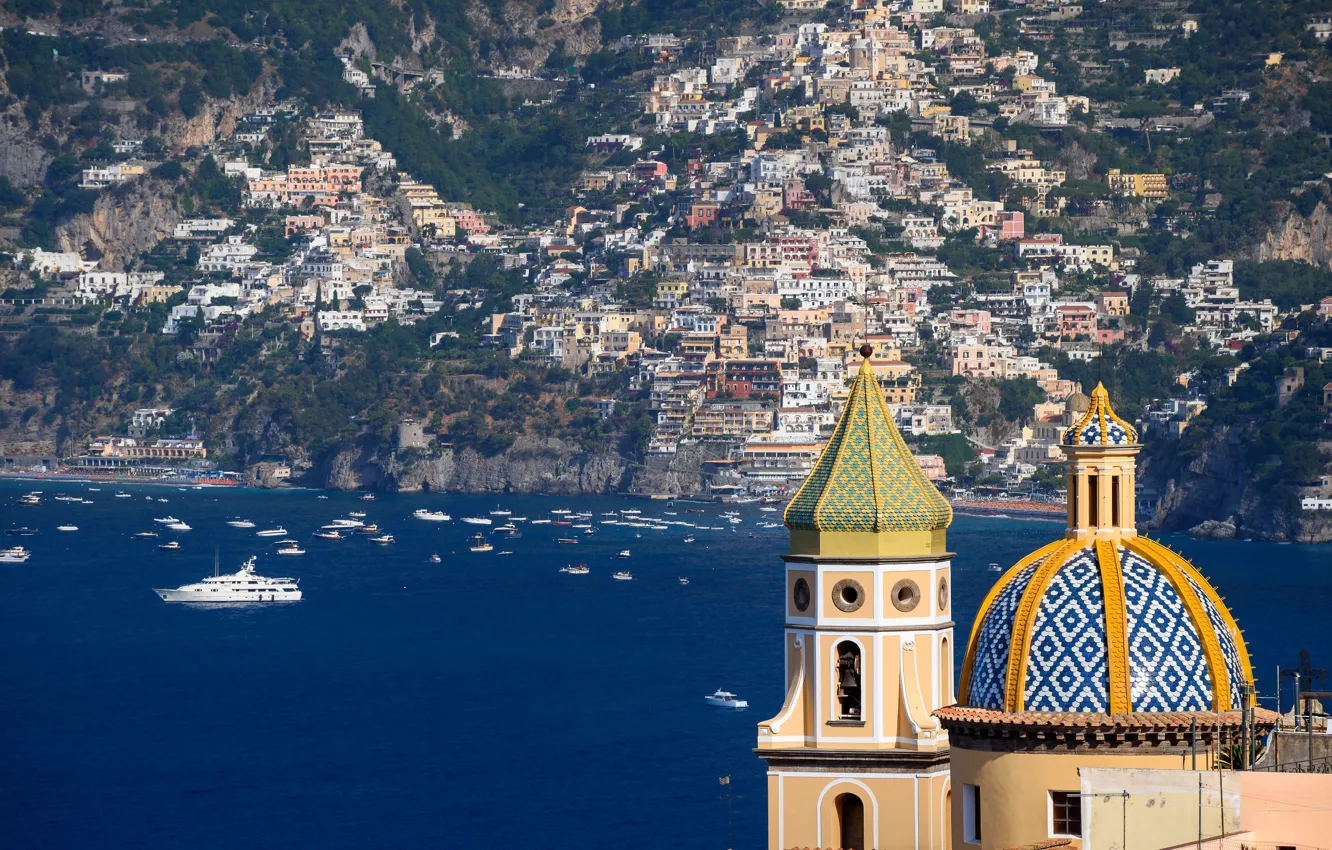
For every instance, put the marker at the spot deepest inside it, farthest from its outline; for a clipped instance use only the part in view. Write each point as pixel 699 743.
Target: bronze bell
pixel 848 681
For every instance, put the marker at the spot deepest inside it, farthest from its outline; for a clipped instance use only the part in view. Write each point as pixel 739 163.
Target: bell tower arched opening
pixel 849 681
pixel 851 821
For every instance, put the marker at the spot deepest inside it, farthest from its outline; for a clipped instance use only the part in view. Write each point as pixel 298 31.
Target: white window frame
pixel 1049 814
pixel 971 813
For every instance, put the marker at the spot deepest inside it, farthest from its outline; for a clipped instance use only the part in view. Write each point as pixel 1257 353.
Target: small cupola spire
pixel 1101 449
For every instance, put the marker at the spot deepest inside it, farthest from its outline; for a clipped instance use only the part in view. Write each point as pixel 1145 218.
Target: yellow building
pixel 855 758
pixel 1137 185
pixel 1100 649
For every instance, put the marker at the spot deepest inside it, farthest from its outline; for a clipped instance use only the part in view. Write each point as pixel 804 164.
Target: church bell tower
pixel 855 758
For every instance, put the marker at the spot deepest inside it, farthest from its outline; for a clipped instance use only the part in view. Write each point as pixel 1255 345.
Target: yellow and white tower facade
pixel 855 758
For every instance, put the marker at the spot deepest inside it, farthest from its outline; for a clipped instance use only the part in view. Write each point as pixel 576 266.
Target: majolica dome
pixel 1104 628
pixel 1100 426
pixel 866 494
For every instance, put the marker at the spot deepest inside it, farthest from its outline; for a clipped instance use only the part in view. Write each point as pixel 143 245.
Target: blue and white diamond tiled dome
pixel 1100 425
pixel 1104 627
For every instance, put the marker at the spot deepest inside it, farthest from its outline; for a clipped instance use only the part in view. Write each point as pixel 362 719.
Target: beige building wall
pixel 1015 790
pixel 902 811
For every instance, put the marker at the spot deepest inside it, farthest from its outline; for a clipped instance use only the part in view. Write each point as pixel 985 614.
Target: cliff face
pixel 1299 238
pixel 1213 496
pixel 531 465
pixel 123 224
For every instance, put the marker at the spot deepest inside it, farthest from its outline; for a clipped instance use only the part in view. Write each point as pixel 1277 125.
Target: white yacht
pixel 624 553
pixel 272 532
pixel 14 555
pixel 33 498
pixel 476 520
pixel 67 528
pixel 725 699
pixel 240 523
pixel 122 495
pixel 291 549
pixel 344 523
pixel 178 526
pixel 431 516
pixel 166 520
pixel 623 575
pixel 242 586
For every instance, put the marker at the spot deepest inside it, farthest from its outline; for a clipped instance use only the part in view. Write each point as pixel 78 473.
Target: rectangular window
pixel 971 814
pixel 1066 814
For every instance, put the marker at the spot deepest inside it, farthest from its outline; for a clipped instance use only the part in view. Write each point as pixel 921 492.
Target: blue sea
pixel 487 701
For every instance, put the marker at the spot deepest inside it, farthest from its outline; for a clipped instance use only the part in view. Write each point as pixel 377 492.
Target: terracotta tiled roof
pixel 961 714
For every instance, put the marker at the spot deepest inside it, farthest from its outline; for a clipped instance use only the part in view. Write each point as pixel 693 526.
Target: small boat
pixel 160 499
pixel 344 523
pixel 501 512
pixel 994 568
pixel 684 580
pixel 693 510
pixel 172 546
pixel 476 520
pixel 14 555
pixel 120 495
pixel 431 516
pixel 21 531
pixel 588 532
pixel 479 543
pixel 30 499
pixel 508 528
pixel 328 535
pixel 689 539
pixel 561 522
pixel 292 549
pixel 383 539
pixel 434 558
pixel 579 570
pixel 367 529
pixel 623 575
pixel 240 523
pixel 368 497
pixel 321 497
pixel 94 489
pixel 166 520
pixel 146 534
pixel 623 553
pixel 566 540
pixel 768 510
pixel 540 522
pixel 67 528
pixel 356 514
pixel 272 532
pixel 63 498
pixel 178 526
pixel 505 552
pixel 725 699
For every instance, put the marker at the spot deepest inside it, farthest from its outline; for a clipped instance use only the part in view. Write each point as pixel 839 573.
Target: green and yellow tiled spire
pixel 866 495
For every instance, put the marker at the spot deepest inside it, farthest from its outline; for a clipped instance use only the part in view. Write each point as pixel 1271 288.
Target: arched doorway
pixel 850 822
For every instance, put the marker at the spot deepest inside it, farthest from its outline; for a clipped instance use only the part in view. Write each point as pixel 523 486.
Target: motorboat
pixel 623 575
pixel 345 523
pixel 368 497
pixel 431 516
pixel 684 580
pixel 272 532
pixel 504 552
pixel 623 553
pixel 32 499
pixel 566 540
pixel 166 520
pixel 725 699
pixel 367 529
pixel 994 568
pixel 122 495
pixel 67 528
pixel 689 539
pixel 171 546
pixel 178 526
pixel 21 531
pixel 479 543
pixel 356 514
pixel 146 534
pixel 578 570
pixel 63 498
pixel 291 549
pixel 244 586
pixel 328 535
pixel 383 539
pixel 240 523
pixel 14 555
pixel 540 522
pixel 588 532
pixel 501 512
pixel 508 528
pixel 476 520
pixel 435 558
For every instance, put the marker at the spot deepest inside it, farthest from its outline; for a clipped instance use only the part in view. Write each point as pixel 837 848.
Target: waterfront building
pixel 855 759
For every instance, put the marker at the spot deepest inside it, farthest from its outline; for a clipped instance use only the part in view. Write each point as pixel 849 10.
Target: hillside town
pixel 802 205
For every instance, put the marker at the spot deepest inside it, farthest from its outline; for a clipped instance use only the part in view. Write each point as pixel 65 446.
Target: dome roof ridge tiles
pixel 1100 426
pixel 866 479
pixel 1090 626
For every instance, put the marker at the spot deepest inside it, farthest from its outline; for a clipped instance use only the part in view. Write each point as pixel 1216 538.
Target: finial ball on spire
pixel 866 350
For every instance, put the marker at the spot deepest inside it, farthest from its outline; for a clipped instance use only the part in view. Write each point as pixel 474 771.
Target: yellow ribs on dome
pixel 866 482
pixel 1102 414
